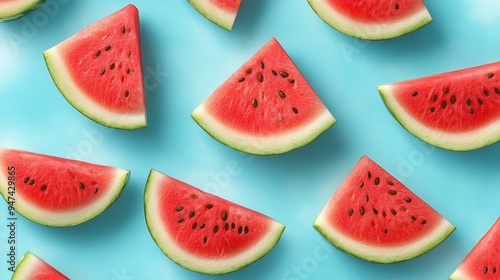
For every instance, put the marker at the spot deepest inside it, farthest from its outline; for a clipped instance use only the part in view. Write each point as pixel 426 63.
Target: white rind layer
pixel 263 145
pixel 168 245
pixel 213 13
pixel 369 31
pixel 455 141
pixel 383 254
pixel 15 9
pixel 78 99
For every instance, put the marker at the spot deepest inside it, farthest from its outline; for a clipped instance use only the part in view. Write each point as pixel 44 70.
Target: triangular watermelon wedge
pixel 32 267
pixel 266 107
pixel 202 232
pixel 14 9
pixel 373 19
pixel 457 110
pixel 99 70
pixel 376 218
pixel 221 12
pixel 483 261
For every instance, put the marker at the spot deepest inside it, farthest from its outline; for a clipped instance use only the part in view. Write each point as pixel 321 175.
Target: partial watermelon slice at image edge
pixel 378 30
pixel 374 245
pixel 220 12
pixel 56 173
pixel 463 83
pixel 483 261
pixel 223 261
pixel 70 85
pixel 33 267
pixel 12 10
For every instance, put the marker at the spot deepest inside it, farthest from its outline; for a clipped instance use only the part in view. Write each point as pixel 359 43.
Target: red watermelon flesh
pixel 483 261
pixel 56 191
pixel 221 12
pixel 32 267
pixel 457 110
pixel 375 217
pixel 99 70
pixel 203 232
pixel 265 107
pixel 372 19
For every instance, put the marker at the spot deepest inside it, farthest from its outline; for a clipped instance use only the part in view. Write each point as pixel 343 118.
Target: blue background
pixel 185 57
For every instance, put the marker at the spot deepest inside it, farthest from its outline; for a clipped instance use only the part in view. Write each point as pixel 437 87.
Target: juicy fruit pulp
pixel 458 110
pixel 203 232
pixel 266 107
pixel 483 261
pixel 99 70
pixel 32 267
pixel 221 12
pixel 372 19
pixel 376 218
pixel 55 191
pixel 14 9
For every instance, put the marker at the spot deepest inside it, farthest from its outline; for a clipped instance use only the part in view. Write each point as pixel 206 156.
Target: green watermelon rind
pixel 190 261
pixel 382 254
pixel 369 31
pixel 66 218
pixel 79 100
pixel 263 145
pixel 214 14
pixel 28 263
pixel 464 141
pixel 21 9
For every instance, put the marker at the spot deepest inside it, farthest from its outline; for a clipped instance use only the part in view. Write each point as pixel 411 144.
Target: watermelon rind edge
pixel 375 31
pixel 465 141
pixel 211 12
pixel 383 254
pixel 21 10
pixel 191 262
pixel 22 270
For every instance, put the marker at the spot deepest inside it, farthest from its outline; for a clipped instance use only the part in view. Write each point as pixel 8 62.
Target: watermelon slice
pixel 376 218
pixel 266 107
pixel 32 267
pixel 14 9
pixel 202 232
pixel 99 70
pixel 483 261
pixel 373 19
pixel 56 191
pixel 221 12
pixel 458 110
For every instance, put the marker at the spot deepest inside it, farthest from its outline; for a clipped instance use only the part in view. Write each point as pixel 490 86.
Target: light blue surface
pixel 185 57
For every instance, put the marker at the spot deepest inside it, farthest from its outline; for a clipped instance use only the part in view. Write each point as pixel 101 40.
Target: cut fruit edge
pixel 383 254
pixel 79 99
pixel 454 141
pixel 263 145
pixel 30 264
pixel 15 9
pixel 215 14
pixel 369 31
pixel 190 261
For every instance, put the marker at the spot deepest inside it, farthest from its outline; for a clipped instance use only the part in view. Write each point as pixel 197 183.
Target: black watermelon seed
pixel 414 94
pixel 262 65
pixel 369 175
pixel 31 182
pixel 384 213
pixel 468 102
pixel 284 74
pixel 216 228
pixel 26 180
pixel 351 211
pixel 390 183
pixel 128 70
pixel 180 220
pixel 209 206
pixel 494 269
pixel 240 230
pixel 433 109
pixel 453 99
pixel 205 240
pixel 82 186
pixel 407 199
pixel 233 225
pixel 123 29
pixel 241 80
pixel 112 66
pixel 423 222
pixel 179 208
pixel 443 104
pixel 367 198
pixel 202 225
pixel 224 215
pixel 255 103
pixel 377 181
pixel 107 48
pixel 103 71
pixel 192 213
pixel 98 53
pixel 194 225
pixel 393 212
pixel 226 226
pixel 248 71
pixel 194 196
pixel 497 91
pixel 486 92
pixel 413 218
pixel 434 97
pixel 375 211
pixel 485 270
pixel 392 192
pixel 282 94
pixel 480 101
pixel 274 73
pixel 260 78
pixel 127 93
pixel 471 111
pixel 396 6
pixel 96 190
pixel 245 230
pixel 295 110
pixel 43 188
pixel 446 90
pixel 291 81
pixel 361 185
pixel 491 75
pixel 385 230
pixel 361 210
